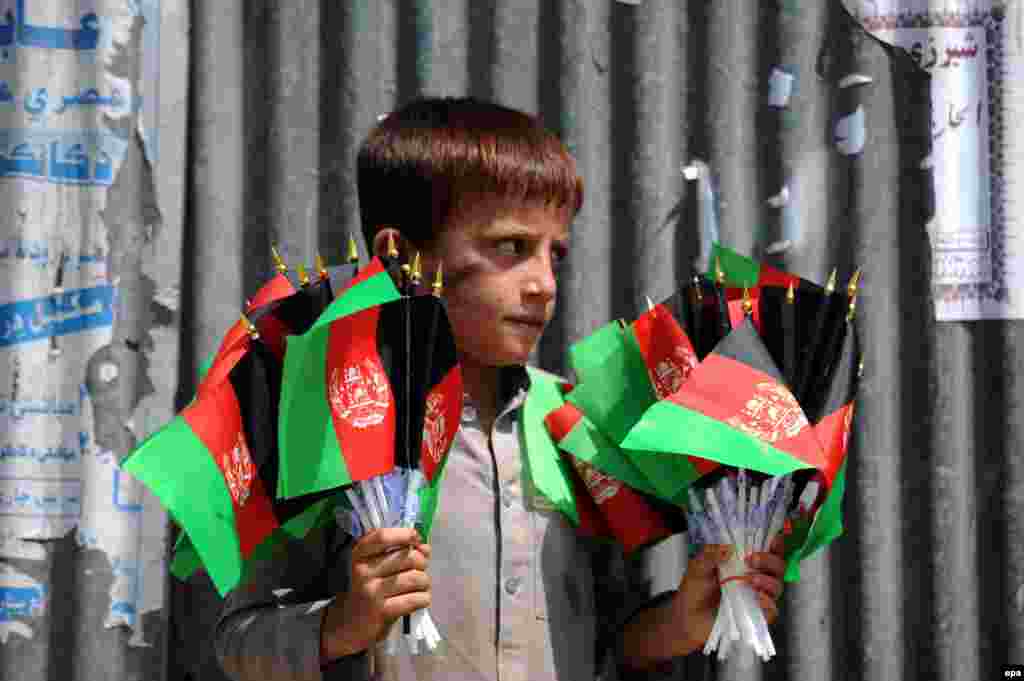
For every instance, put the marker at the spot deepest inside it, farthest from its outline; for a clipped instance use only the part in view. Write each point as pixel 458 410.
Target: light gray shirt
pixel 517 594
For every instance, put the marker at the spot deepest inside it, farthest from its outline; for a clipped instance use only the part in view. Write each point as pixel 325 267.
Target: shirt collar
pixel 513 381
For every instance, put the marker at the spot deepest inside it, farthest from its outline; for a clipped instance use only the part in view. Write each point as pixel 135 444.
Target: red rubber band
pixel 745 578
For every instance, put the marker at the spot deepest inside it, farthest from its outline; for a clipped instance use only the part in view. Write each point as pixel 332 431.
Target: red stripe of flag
pixel 754 402
pixel 666 350
pixel 359 393
pixel 277 288
pixel 833 433
pixel 215 419
pixel 441 421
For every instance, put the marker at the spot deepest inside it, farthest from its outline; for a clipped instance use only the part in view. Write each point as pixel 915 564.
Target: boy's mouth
pixel 532 323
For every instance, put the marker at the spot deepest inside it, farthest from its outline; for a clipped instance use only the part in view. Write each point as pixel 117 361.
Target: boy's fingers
pixel 772 588
pixel 406 604
pixel 394 562
pixel 405 582
pixel 778 546
pixel 384 540
pixel 709 558
pixel 768 563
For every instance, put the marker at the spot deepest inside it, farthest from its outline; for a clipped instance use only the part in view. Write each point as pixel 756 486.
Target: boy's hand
pixel 699 591
pixel 388 580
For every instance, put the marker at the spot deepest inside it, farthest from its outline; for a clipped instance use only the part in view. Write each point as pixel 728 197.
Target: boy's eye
pixel 511 246
pixel 558 255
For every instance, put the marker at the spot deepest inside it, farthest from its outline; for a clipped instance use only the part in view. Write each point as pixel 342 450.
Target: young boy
pixel 516 593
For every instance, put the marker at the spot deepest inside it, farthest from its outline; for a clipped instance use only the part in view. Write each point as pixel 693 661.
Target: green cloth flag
pixel 617 392
pixel 544 469
pixel 202 455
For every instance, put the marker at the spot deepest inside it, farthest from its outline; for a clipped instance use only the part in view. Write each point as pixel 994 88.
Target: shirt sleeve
pixel 269 628
pixel 624 587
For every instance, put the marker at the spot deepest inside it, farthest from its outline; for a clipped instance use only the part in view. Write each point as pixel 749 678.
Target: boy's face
pixel 500 267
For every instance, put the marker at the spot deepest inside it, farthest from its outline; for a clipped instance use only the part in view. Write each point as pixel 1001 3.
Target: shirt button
pixel 512 585
pixel 507 500
pixel 468 413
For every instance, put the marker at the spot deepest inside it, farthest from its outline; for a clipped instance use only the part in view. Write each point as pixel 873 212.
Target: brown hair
pixel 424 163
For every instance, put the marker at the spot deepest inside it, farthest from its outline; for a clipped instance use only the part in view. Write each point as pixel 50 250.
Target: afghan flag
pixel 734 410
pixel 280 286
pixel 201 468
pixel 833 430
pixel 376 387
pixel 743 272
pixel 294 314
pixel 621 494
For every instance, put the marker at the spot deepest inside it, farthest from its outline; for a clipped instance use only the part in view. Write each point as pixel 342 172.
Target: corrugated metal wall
pixel 928 583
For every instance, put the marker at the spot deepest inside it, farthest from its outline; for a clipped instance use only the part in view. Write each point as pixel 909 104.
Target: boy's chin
pixel 511 354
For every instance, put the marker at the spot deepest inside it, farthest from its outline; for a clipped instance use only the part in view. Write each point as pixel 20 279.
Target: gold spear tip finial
pixel 830 287
pixel 417 273
pixel 860 368
pixel 303 275
pixel 748 303
pixel 278 260
pixel 320 268
pixel 791 293
pixel 392 249
pixel 851 311
pixel 353 250
pixel 851 288
pixel 719 274
pixel 438 285
pixel 249 326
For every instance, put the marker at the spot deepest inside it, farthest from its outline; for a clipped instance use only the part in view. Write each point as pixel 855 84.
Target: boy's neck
pixel 481 384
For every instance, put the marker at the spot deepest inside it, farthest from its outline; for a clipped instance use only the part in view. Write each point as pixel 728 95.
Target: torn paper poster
pixel 70 98
pixel 22 600
pixel 976 74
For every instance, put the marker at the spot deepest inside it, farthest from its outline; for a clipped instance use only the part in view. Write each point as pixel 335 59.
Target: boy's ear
pixel 380 241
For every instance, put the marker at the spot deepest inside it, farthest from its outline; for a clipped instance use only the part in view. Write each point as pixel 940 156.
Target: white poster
pixel 77 209
pixel 968 49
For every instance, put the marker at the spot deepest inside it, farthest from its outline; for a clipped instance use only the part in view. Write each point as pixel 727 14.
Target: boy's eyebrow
pixel 518 229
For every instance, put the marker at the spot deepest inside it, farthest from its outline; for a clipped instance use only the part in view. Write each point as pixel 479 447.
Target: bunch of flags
pixel 335 389
pixel 725 408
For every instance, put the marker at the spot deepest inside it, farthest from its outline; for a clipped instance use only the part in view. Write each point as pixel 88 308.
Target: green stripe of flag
pixel 186 560
pixel 376 290
pixel 739 270
pixel 177 468
pixel 429 497
pixel 669 427
pixel 587 443
pixel 311 459
pixel 619 396
pixel 543 466
pixel 587 355
pixel 670 474
pixel 826 527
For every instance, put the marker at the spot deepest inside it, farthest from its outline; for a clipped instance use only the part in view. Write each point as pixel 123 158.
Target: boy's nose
pixel 541 280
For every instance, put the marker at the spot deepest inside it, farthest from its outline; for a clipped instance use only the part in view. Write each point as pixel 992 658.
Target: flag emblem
pixel 671 371
pixel 601 487
pixel 434 440
pixel 772 414
pixel 360 394
pixel 239 471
